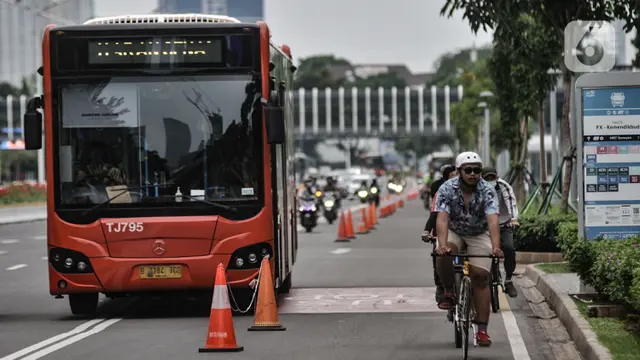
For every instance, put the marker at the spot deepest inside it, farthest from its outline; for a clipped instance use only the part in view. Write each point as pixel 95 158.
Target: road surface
pixel 370 298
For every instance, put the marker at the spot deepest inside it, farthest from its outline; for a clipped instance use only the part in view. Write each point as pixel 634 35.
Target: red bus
pixel 169 150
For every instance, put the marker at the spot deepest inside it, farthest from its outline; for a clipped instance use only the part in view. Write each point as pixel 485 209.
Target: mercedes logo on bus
pixel 158 247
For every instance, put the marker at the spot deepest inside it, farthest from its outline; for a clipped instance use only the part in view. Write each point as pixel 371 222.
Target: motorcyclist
pixel 331 186
pixel 376 195
pixel 309 189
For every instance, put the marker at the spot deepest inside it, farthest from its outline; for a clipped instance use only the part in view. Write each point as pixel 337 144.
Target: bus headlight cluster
pixel 67 261
pixel 249 257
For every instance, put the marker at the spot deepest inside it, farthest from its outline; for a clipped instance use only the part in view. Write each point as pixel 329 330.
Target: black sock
pixel 482 326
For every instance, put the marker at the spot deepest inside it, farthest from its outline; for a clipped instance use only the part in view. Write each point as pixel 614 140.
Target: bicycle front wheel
pixel 464 315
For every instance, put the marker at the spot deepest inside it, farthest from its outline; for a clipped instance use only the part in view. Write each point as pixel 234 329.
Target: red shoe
pixel 483 338
pixel 447 301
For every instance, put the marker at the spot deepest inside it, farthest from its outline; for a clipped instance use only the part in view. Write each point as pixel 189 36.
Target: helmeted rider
pixel 309 189
pixel 468 218
pixel 448 171
pixel 508 221
pixel 332 186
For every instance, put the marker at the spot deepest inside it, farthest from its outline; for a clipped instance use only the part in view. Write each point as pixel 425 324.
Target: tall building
pixel 243 10
pixel 21 25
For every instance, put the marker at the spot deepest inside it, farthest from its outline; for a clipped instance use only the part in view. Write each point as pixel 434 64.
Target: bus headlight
pixel 250 254
pixel 71 257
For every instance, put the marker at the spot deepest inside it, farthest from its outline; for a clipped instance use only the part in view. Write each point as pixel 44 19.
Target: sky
pixel 409 32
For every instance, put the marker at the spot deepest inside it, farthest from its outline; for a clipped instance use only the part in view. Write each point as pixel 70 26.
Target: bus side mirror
pixel 32 130
pixel 274 116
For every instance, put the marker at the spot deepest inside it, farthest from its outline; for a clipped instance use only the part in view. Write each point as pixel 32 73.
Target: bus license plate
pixel 161 272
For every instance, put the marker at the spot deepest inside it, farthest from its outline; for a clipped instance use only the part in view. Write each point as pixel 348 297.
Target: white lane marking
pixel 71 340
pixel 518 347
pixel 16 267
pixel 40 237
pixel 44 258
pixel 9 241
pixel 340 251
pixel 51 340
pixel 2 252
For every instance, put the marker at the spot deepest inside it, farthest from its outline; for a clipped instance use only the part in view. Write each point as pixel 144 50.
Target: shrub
pixel 612 267
pixel 17 193
pixel 538 233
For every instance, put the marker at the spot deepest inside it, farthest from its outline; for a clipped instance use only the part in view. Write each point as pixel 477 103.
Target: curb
pixel 579 330
pixel 528 257
pixel 24 219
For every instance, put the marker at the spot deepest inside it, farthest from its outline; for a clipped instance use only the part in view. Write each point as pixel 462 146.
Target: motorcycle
pixel 363 195
pixel 308 217
pixel 330 207
pixel 374 195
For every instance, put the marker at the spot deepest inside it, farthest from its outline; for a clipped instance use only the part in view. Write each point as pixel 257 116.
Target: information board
pixel 610 162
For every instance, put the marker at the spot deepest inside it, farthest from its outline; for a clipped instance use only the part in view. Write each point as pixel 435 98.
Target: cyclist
pixel 468 217
pixel 448 172
pixel 508 220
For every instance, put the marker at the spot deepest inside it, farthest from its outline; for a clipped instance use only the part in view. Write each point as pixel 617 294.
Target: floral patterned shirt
pixel 473 221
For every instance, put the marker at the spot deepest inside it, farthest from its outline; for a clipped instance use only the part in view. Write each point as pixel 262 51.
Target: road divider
pixel 367 218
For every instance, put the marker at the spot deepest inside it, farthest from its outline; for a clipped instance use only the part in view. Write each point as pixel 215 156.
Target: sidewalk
pixel 22 214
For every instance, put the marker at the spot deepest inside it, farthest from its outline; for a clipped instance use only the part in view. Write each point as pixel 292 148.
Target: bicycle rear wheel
pixel 464 315
pixel 495 282
pixel 456 313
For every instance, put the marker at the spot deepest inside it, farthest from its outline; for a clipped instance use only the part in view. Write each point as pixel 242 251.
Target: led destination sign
pixel 158 50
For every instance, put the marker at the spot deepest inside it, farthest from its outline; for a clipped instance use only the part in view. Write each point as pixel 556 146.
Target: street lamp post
pixel 486 148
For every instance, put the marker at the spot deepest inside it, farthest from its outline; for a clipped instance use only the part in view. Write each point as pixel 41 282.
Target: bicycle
pixel 462 313
pixel 496 276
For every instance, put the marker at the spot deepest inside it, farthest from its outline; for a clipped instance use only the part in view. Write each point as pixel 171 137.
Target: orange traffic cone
pixel 372 223
pixel 266 310
pixel 221 336
pixel 349 225
pixel 363 227
pixel 342 229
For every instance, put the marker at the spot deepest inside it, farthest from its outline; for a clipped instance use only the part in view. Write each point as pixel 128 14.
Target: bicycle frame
pixel 461 273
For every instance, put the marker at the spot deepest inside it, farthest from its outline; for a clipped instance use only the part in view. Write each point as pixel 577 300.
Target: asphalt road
pixel 370 298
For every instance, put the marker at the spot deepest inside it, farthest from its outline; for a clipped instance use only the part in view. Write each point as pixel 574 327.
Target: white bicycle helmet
pixel 468 157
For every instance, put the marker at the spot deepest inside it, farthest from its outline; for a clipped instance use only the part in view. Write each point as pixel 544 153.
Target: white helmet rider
pixel 468 157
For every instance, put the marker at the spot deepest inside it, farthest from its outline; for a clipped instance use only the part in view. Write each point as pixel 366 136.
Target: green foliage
pixel 539 233
pixel 449 67
pixel 610 266
pixel 465 114
pixel 328 71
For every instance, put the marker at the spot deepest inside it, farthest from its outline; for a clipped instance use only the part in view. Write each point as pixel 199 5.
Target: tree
pixel 555 16
pixel 315 71
pixel 449 67
pixel 386 80
pixel 636 43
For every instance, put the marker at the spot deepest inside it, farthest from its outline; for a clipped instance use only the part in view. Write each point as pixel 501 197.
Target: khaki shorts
pixel 475 245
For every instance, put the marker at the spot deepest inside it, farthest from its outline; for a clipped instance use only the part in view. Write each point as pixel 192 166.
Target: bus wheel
pixel 285 287
pixel 83 304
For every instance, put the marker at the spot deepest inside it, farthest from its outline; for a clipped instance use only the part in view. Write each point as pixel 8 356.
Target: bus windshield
pixel 155 134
